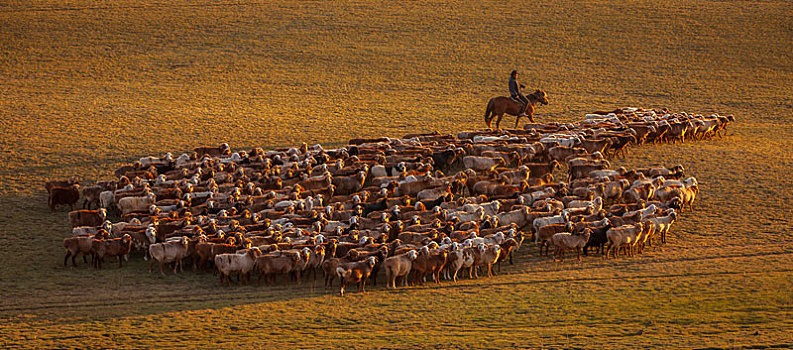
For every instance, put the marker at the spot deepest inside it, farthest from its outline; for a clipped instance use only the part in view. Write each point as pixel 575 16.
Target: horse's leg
pixel 530 112
pixel 520 108
pixel 498 121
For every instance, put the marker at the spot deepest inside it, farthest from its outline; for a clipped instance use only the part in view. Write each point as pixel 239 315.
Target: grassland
pixel 86 85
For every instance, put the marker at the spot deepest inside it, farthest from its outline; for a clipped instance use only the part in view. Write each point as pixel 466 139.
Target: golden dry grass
pixel 86 85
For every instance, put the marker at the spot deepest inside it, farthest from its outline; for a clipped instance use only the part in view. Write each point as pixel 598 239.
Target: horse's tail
pixel 489 112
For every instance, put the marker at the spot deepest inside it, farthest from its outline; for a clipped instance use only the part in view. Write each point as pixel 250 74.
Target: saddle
pixel 516 100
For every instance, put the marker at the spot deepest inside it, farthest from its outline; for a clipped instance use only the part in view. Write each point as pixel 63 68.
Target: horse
pixel 497 106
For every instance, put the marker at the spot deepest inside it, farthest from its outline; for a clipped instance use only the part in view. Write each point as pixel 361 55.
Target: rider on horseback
pixel 514 92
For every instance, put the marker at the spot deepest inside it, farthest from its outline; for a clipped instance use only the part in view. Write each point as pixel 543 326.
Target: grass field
pixel 87 85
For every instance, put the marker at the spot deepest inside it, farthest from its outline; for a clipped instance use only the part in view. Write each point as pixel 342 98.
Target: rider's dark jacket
pixel 514 87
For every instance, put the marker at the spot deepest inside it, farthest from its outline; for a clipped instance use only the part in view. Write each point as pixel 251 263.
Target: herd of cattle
pixel 424 204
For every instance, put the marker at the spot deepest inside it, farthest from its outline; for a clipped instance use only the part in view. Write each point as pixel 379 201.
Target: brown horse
pixel 500 105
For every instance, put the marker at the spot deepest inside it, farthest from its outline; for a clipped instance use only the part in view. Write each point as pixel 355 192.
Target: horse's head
pixel 541 96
